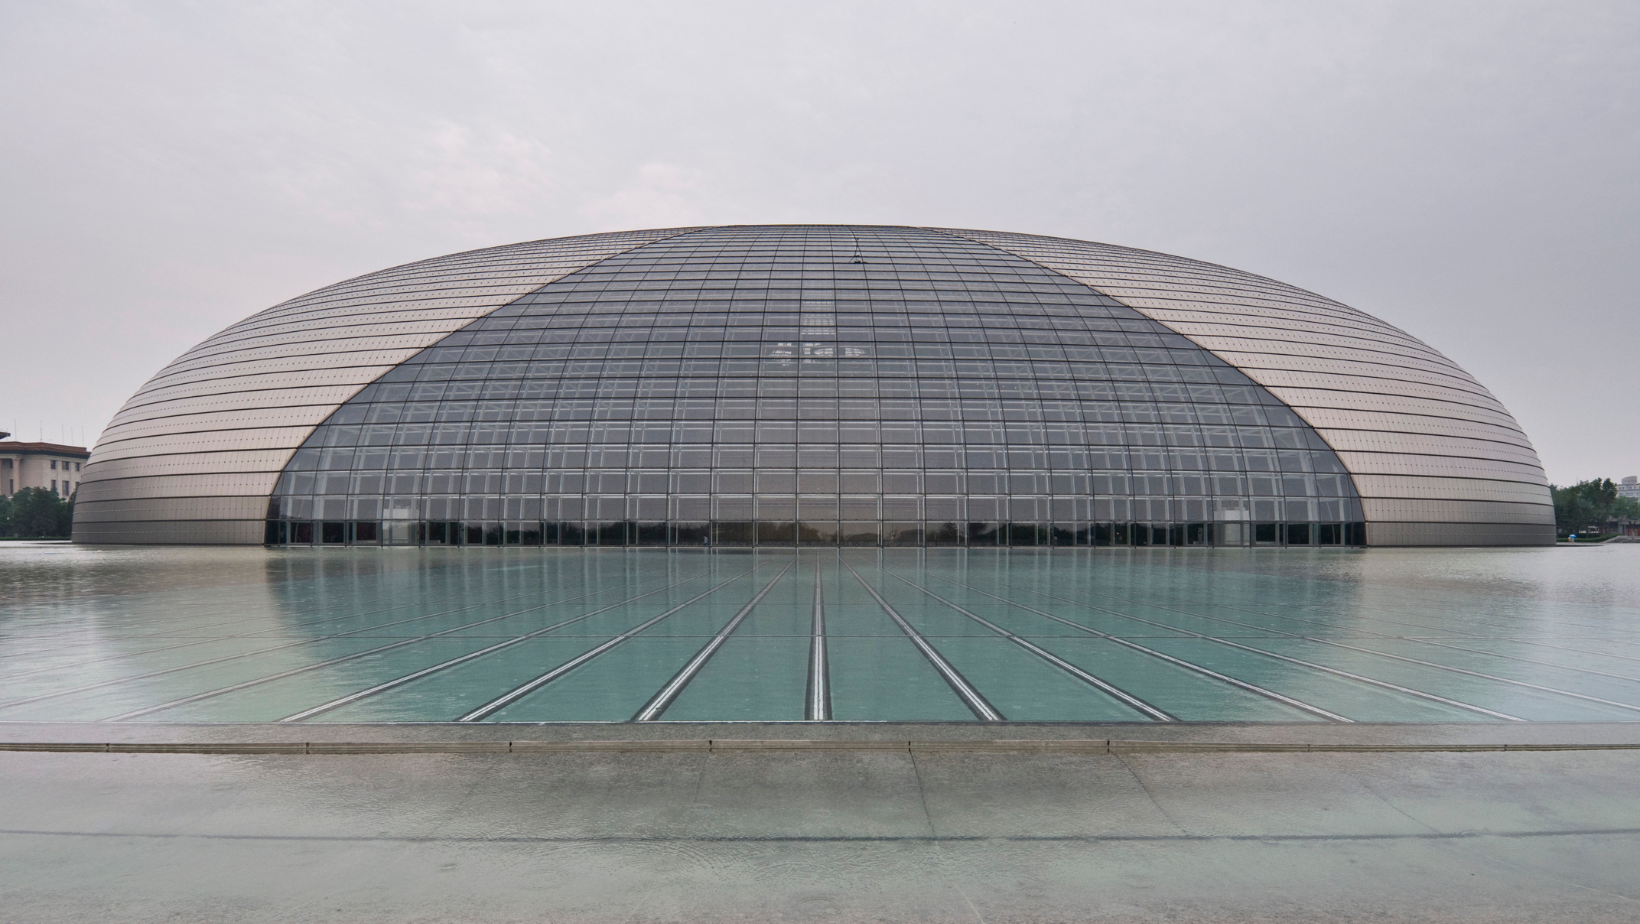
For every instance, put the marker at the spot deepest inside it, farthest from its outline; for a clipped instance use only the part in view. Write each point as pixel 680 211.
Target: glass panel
pixel 914 387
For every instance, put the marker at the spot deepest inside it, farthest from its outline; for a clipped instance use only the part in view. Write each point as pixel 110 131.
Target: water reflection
pixel 615 635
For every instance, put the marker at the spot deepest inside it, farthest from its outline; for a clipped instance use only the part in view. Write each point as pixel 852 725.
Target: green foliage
pixel 1586 507
pixel 36 513
pixel 1626 508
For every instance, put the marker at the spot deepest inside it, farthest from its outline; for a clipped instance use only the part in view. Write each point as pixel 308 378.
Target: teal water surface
pixel 567 635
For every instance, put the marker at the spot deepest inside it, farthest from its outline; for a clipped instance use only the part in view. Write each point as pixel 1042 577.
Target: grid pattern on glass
pixel 205 438
pixel 828 385
pixel 1425 442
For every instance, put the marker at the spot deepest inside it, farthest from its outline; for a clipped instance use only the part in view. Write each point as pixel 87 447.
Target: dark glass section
pixel 792 386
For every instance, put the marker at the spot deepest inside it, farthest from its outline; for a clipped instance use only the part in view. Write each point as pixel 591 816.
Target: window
pixel 957 413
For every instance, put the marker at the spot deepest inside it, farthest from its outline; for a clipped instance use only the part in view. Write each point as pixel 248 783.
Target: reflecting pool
pixel 174 635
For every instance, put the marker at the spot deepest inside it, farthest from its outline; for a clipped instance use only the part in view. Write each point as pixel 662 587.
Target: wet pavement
pixel 935 833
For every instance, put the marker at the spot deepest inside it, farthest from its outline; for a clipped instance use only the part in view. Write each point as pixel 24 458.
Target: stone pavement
pixel 934 832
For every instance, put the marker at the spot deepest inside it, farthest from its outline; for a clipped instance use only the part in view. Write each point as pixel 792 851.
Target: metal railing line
pixel 664 697
pixel 970 697
pixel 519 692
pixel 417 675
pixel 1122 696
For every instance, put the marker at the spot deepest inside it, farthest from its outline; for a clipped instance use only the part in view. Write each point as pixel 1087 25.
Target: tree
pixel 5 516
pixel 1586 507
pixel 1626 508
pixel 40 514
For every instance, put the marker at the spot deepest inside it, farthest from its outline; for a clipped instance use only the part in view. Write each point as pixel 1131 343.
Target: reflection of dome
pixel 819 384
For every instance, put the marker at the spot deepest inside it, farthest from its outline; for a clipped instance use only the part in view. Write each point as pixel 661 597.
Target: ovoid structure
pixel 780 385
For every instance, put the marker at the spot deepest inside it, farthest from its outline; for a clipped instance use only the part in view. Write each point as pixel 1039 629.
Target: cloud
pixel 661 196
pixel 1464 170
pixel 465 171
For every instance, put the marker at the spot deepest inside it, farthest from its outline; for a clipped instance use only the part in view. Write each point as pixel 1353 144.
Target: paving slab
pixel 841 833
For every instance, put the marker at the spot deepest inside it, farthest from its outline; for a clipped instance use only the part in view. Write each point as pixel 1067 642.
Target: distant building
pixel 1628 487
pixel 40 465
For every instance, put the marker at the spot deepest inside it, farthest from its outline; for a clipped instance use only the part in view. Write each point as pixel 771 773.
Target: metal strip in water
pixel 159 673
pixel 657 704
pixel 1371 681
pixel 517 693
pixel 819 687
pixel 417 675
pixel 245 654
pixel 1383 654
pixel 1126 698
pixel 1493 654
pixel 148 710
pixel 969 696
pixel 1197 668
pixel 1459 670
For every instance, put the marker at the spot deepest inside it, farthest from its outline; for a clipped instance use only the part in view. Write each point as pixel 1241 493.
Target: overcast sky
pixel 1467 171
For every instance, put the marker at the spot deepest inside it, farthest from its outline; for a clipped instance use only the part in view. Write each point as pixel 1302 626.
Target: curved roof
pixel 195 454
pixel 201 443
pixel 1424 441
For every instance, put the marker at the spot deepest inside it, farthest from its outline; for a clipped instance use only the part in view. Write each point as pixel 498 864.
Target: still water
pixel 564 635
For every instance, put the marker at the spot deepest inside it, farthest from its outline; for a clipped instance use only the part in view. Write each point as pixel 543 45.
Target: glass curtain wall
pixel 815 385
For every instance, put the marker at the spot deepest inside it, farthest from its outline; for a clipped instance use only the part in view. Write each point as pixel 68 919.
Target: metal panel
pixel 1328 419
pixel 1455 511
pixel 1440 466
pixel 1370 401
pixel 1410 486
pixel 1446 445
pixel 212 485
pixel 199 444
pixel 1448 392
pixel 878 378
pixel 1341 370
pixel 265 461
pixel 271 398
pixel 191 532
pixel 314 352
pixel 209 421
pixel 1414 534
pixel 164 509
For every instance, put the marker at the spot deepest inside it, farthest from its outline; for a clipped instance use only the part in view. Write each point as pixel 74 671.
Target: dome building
pixel 825 385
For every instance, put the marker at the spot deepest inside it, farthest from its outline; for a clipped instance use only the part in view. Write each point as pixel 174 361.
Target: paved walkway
pixel 937 832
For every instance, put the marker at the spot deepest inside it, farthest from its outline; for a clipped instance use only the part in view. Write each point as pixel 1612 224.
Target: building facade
pixel 827 385
pixel 51 466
